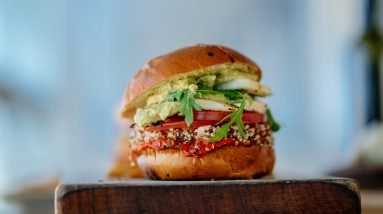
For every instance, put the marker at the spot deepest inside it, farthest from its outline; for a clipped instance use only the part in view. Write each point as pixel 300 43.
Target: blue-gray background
pixel 64 65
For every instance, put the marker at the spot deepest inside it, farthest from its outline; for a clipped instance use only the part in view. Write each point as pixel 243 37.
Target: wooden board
pixel 330 195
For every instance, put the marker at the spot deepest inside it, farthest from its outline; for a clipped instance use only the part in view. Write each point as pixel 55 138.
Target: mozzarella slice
pixel 214 106
pixel 250 86
pixel 256 106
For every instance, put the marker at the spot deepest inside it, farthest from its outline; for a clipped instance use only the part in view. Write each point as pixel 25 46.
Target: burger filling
pixel 201 114
pixel 194 142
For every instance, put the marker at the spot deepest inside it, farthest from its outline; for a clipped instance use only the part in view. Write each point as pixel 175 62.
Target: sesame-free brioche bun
pixel 229 162
pixel 179 63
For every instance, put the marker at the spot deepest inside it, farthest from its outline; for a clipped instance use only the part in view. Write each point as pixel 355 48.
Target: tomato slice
pixel 210 115
pixel 247 116
pixel 180 124
pixel 253 117
pixel 204 118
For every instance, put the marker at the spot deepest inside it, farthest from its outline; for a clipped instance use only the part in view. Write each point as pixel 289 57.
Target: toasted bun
pixel 180 63
pixel 230 162
pixel 123 167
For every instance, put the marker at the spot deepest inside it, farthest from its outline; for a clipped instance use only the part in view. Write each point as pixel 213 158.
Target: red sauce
pixel 196 148
pixel 201 148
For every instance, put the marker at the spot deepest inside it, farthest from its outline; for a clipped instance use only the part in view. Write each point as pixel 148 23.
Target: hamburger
pixel 196 114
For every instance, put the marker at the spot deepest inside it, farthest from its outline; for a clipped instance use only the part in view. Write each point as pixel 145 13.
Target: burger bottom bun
pixel 230 162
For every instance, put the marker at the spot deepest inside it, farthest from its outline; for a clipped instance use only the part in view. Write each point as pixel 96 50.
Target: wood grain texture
pixel 333 195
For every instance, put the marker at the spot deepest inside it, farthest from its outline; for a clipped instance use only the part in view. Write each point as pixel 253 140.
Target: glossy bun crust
pixel 178 63
pixel 230 162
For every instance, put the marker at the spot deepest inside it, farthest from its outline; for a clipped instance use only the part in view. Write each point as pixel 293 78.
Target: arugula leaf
pixel 240 127
pixel 270 120
pixel 220 133
pixel 236 117
pixel 187 103
pixel 175 96
pixel 198 94
pixel 230 94
pixel 248 98
pixel 234 101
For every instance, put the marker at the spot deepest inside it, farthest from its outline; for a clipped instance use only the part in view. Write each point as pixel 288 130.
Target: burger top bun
pixel 179 63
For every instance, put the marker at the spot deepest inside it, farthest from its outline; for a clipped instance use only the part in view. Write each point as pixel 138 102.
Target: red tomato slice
pixel 247 116
pixel 180 124
pixel 210 115
pixel 253 117
pixel 204 118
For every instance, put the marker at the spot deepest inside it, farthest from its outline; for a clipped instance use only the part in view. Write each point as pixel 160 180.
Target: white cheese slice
pixel 214 106
pixel 255 105
pixel 250 86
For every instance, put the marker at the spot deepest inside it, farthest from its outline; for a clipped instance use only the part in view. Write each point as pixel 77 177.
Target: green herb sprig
pixel 186 98
pixel 235 117
pixel 187 103
pixel 230 94
pixel 270 120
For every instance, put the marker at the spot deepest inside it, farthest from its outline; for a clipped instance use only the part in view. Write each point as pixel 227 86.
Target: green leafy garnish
pixel 236 117
pixel 230 94
pixel 270 120
pixel 187 103
pixel 186 98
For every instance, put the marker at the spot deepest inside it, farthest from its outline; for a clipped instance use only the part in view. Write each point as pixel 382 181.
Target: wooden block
pixel 330 195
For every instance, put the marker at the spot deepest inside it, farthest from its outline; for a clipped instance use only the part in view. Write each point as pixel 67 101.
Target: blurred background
pixel 64 65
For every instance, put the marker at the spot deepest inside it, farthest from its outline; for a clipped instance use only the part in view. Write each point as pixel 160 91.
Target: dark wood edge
pixel 63 189
pixel 346 185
